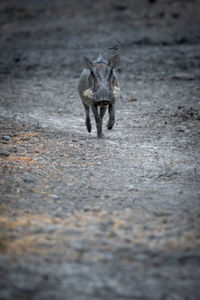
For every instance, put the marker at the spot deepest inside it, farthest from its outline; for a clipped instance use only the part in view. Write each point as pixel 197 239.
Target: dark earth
pixel 88 219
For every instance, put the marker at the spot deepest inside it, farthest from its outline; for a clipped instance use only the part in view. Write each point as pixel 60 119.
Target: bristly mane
pixel 100 59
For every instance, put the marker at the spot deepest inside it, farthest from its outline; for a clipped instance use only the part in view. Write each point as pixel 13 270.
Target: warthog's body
pixel 97 88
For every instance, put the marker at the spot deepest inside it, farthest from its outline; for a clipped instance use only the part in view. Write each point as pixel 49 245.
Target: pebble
pixel 29 178
pixel 132 99
pixel 183 76
pixel 6 138
pixel 180 128
pixel 92 208
pixel 4 153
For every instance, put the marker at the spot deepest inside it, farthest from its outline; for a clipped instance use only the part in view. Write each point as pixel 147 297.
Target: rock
pixel 91 208
pixel 164 43
pixel 183 76
pixel 175 15
pixel 4 153
pixel 29 178
pixel 180 128
pixel 17 59
pixel 132 188
pixel 181 40
pixel 6 138
pixel 144 41
pixel 132 99
pixel 120 7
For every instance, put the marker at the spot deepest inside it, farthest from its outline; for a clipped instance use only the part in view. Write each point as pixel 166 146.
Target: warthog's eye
pixel 88 93
pixel 111 74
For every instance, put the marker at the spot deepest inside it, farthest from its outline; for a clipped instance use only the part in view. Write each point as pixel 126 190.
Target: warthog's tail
pixel 100 57
pixel 116 47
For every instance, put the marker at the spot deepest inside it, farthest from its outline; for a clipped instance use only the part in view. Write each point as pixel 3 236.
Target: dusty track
pixel 83 218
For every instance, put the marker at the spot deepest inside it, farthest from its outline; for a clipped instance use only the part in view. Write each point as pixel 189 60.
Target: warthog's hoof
pixel 110 125
pixel 89 126
pixel 101 136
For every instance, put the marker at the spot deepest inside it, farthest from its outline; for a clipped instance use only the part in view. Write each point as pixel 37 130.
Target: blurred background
pixel 49 37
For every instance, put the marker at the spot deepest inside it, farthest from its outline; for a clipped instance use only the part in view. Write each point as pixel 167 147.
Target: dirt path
pixel 83 218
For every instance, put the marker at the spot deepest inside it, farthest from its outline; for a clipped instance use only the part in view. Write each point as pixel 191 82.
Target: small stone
pixel 132 188
pixel 132 99
pixel 181 40
pixel 4 153
pixel 175 15
pixel 180 128
pixel 183 76
pixel 54 196
pixel 161 14
pixel 6 138
pixel 29 178
pixel 180 107
pixel 120 7
pixel 17 59
pixel 25 139
pixel 91 208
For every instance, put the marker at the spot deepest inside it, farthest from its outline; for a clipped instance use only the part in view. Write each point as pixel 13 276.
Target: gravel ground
pixel 83 218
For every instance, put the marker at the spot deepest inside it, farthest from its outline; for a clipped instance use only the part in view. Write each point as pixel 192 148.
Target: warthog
pixel 97 88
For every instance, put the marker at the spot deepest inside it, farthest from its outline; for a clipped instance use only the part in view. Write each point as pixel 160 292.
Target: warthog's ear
pixel 88 63
pixel 114 61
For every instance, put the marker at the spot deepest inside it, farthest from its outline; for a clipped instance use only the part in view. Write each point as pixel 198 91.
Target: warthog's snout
pixel 103 97
pixel 103 102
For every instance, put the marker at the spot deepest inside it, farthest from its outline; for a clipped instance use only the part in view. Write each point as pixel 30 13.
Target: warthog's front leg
pixel 102 112
pixel 98 120
pixel 87 119
pixel 111 121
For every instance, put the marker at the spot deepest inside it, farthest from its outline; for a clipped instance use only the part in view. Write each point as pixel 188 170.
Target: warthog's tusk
pixel 116 90
pixel 88 93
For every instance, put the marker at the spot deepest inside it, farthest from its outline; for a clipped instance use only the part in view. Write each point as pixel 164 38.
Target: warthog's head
pixel 102 79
